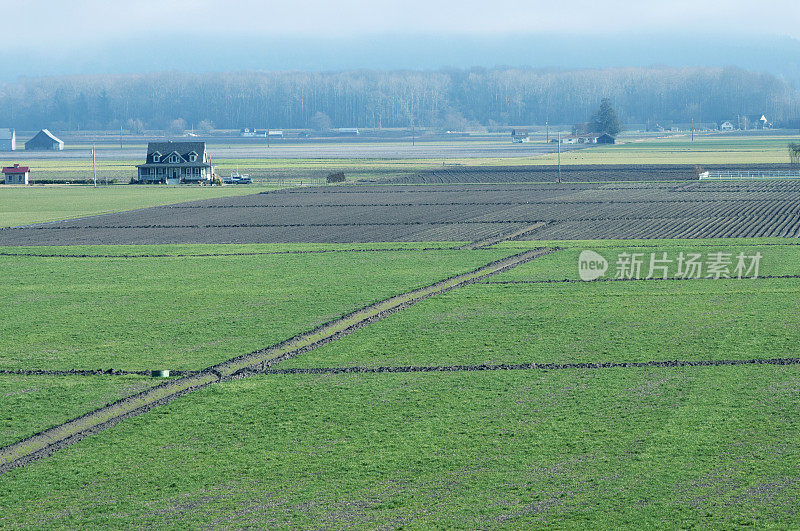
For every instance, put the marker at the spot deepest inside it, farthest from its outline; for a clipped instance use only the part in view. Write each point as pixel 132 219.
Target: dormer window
pixel 192 156
pixel 173 158
pixel 156 156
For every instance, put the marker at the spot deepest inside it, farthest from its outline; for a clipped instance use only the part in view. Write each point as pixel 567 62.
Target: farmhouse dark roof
pixel 16 168
pixel 183 148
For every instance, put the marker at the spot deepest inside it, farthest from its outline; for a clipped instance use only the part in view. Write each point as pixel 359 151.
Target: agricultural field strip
pixel 552 201
pixel 48 441
pixel 524 366
pixel 402 223
pixel 576 281
pixel 438 368
pixel 209 255
pixel 492 240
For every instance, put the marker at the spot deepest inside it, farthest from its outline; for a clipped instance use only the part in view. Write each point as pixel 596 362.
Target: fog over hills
pixel 149 52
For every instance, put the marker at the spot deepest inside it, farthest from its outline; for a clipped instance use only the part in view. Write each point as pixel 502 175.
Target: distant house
pixel 247 132
pixel 589 138
pixel 176 162
pixel 348 131
pixel 726 126
pixel 756 121
pixel 8 139
pixel 519 136
pixel 16 174
pixel 44 141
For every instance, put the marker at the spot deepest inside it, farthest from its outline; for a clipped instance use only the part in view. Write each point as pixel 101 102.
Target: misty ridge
pixel 450 99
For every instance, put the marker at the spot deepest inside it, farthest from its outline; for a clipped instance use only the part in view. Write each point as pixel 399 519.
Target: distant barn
pixel 44 141
pixel 8 140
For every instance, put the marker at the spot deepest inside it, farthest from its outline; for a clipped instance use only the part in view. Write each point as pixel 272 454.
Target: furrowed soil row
pixel 48 441
pixel 486 242
pixel 211 255
pixel 527 366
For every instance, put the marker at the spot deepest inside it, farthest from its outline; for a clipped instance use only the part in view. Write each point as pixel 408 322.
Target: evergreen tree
pixel 605 120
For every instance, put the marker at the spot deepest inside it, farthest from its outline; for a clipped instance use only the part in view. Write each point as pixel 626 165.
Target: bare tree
pixel 177 126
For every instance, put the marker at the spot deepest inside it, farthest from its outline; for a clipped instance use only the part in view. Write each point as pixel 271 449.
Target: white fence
pixel 734 175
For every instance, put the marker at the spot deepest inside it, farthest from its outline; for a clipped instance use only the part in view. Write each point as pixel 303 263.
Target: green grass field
pixel 37 204
pixel 632 448
pixel 542 322
pixel 648 447
pixel 32 403
pixel 188 313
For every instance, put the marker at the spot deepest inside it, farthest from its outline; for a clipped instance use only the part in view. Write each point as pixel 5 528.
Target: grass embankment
pixel 632 321
pixel 191 312
pixel 36 204
pixel 615 448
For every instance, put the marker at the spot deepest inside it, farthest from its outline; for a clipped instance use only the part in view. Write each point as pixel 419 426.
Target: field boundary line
pixel 46 442
pixel 525 366
pixel 578 281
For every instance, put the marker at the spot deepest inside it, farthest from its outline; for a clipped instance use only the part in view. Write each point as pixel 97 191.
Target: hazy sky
pixel 76 21
pixel 132 36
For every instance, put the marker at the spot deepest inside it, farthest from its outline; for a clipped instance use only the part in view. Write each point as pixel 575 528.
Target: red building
pixel 16 174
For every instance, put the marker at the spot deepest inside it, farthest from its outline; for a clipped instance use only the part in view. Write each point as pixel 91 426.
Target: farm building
pixel 348 131
pixel 8 139
pixel 726 126
pixel 44 141
pixel 16 174
pixel 519 136
pixel 589 138
pixel 176 162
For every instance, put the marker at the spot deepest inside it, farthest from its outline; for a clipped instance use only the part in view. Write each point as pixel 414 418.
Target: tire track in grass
pixel 486 242
pixel 51 440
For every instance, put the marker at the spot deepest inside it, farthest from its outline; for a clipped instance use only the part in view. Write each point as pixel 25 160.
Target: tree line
pixel 446 99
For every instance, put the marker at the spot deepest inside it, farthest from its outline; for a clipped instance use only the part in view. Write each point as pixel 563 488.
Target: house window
pixel 156 157
pixel 173 159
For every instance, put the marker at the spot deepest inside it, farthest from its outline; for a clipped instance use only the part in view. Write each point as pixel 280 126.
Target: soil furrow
pixel 525 366
pixel 486 242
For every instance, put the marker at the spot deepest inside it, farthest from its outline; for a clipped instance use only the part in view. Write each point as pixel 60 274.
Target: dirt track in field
pixel 49 441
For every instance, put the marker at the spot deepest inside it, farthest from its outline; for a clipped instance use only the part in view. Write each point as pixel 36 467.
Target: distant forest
pixel 447 99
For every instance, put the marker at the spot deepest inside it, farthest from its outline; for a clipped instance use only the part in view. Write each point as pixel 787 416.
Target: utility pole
pixel 94 167
pixel 692 129
pixel 120 137
pixel 547 129
pixel 559 158
pixel 413 133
